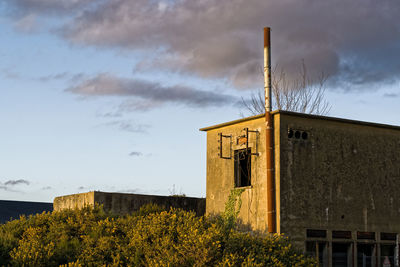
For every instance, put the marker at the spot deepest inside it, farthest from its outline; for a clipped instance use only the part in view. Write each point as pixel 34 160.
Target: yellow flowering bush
pixel 150 237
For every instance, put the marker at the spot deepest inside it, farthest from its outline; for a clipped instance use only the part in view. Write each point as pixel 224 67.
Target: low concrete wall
pixel 74 201
pixel 120 203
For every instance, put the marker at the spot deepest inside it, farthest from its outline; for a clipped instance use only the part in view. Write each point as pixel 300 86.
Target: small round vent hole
pixel 290 133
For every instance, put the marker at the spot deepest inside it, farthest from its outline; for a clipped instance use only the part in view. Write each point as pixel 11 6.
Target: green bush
pixel 149 237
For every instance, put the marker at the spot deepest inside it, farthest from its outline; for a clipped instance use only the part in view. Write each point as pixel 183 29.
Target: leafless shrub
pixel 301 94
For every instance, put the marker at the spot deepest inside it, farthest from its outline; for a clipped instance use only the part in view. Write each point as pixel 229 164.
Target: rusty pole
pixel 271 213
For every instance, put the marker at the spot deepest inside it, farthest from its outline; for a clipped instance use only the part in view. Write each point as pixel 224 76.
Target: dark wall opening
pixel 242 167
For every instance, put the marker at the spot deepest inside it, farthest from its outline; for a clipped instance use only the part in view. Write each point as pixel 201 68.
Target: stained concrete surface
pixel 120 203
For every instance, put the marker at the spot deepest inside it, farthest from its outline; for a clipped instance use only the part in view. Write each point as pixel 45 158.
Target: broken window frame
pixel 238 179
pixel 247 140
pixel 246 137
pixel 220 141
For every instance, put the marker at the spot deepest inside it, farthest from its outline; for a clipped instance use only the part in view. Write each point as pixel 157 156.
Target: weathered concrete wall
pixel 344 176
pixel 338 175
pixel 119 203
pixel 75 201
pixel 125 203
pixel 220 172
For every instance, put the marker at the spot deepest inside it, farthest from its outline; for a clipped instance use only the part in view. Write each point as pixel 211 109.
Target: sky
pixel 109 95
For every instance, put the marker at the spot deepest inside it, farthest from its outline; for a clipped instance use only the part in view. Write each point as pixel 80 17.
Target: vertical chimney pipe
pixel 271 211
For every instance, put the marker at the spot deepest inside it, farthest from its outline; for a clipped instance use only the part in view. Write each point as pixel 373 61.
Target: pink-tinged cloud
pixel 142 95
pixel 355 41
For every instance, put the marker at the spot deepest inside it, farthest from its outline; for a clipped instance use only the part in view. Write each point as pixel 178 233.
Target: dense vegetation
pixel 149 237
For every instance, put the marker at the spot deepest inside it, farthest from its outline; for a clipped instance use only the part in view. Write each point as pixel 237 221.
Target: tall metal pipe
pixel 271 211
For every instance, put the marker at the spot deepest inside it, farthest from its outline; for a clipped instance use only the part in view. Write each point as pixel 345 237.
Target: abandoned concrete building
pixel 336 183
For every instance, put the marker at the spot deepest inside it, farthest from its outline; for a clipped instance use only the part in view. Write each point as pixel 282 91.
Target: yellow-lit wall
pixel 220 172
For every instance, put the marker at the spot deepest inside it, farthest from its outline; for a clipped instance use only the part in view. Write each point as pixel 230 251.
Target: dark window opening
pixel 388 255
pixel 341 255
pixel 316 233
pixel 319 251
pixel 242 167
pixel 311 249
pixel 388 236
pixel 341 234
pixel 365 255
pixel 366 235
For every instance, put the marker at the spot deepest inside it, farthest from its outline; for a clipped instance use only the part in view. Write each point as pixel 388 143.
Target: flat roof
pixel 303 115
pixel 12 210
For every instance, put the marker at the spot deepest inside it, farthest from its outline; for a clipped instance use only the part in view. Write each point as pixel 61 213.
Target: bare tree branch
pixel 301 94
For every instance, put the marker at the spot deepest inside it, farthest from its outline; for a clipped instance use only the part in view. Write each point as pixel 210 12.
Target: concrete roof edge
pixel 205 129
pixel 304 115
pixel 145 195
pixel 25 201
pixel 69 195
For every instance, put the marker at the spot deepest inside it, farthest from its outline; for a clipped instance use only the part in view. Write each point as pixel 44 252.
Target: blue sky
pixel 109 95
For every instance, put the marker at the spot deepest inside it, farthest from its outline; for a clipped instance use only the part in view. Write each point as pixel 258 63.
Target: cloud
pixel 70 77
pixel 391 95
pixel 5 188
pixel 27 24
pixel 109 114
pixel 128 126
pixel 357 41
pixel 47 188
pixel 16 182
pixel 49 7
pixel 9 184
pixel 147 94
pixel 57 76
pixel 9 73
pixel 136 154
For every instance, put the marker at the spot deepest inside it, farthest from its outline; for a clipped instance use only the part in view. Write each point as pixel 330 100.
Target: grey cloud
pixel 136 154
pixel 48 6
pixel 148 94
pixel 16 182
pixel 128 126
pixel 47 188
pixel 109 114
pixel 9 184
pixel 356 41
pixel 391 95
pixel 57 76
pixel 70 77
pixel 132 105
pixel 9 73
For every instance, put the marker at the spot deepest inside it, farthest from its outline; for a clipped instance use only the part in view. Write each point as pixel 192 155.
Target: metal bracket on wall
pixel 247 140
pixel 221 136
